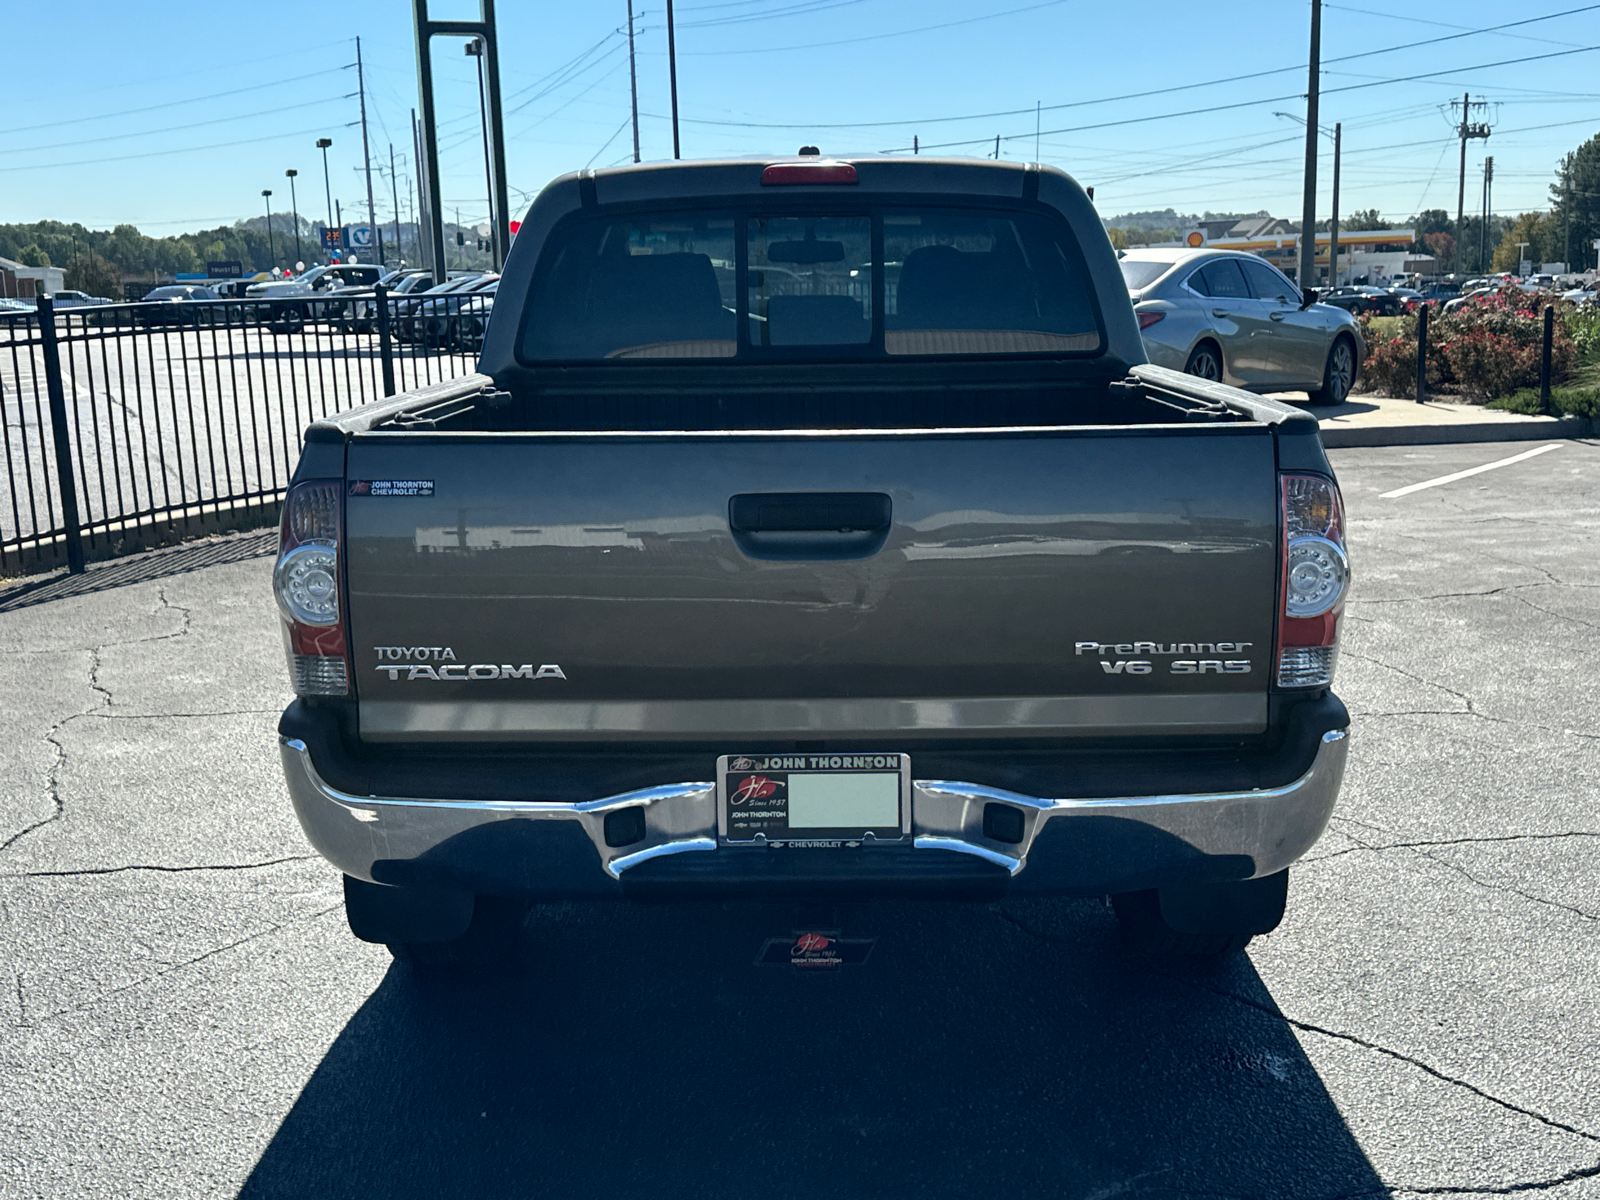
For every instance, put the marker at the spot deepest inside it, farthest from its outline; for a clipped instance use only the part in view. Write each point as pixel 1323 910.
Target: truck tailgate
pixel 864 586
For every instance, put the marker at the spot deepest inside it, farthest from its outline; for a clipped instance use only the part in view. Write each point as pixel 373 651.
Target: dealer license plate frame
pixel 737 826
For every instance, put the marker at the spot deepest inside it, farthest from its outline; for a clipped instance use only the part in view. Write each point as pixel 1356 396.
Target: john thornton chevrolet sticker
pixel 391 487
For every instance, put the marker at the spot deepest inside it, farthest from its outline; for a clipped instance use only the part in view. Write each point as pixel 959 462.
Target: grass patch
pixel 1564 401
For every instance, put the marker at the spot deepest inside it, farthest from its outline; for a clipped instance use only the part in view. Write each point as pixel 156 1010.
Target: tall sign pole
pixel 1308 209
pixel 497 138
pixel 428 158
pixel 366 154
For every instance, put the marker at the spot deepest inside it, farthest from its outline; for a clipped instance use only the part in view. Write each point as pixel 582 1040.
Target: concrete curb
pixel 1531 429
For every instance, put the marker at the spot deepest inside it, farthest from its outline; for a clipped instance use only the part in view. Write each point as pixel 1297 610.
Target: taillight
pixel 306 584
pixel 1316 576
pixel 1149 318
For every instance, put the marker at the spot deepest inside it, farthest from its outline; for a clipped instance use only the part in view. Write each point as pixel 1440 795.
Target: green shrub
pixel 1574 402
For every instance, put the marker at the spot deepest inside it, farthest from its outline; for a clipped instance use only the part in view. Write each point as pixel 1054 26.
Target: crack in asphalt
pixel 52 735
pixel 164 868
pixel 1510 587
pixel 1340 1035
pixel 1399 1056
pixel 1420 849
pixel 1462 841
pixel 1504 1189
pixel 1556 615
pixel 1471 709
pixel 98 997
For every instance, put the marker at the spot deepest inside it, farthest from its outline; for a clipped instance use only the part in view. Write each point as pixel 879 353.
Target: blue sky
pixel 175 114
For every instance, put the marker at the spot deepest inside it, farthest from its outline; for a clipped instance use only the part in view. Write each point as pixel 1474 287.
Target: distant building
pixel 1365 255
pixel 21 282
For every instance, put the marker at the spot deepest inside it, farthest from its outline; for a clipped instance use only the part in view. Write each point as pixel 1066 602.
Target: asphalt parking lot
pixel 185 1013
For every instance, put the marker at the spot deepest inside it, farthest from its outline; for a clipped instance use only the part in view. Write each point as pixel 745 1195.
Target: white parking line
pixel 1504 462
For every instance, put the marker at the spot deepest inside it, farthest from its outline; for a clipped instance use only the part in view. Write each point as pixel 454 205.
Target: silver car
pixel 1235 318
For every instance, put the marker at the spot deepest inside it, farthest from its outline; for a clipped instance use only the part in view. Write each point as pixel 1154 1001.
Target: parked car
pixel 1466 298
pixel 359 312
pixel 75 299
pixel 292 303
pixel 177 304
pixel 1584 293
pixel 1438 293
pixel 1380 302
pixel 1234 318
pixel 952 596
pixel 455 319
pixel 420 315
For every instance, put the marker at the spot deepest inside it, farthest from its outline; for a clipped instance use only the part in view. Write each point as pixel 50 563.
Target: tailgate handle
pixel 798 526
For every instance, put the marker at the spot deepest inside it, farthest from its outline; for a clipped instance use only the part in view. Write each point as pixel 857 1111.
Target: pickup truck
pixel 814 529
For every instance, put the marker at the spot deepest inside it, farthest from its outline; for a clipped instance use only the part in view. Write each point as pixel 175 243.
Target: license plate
pixel 822 800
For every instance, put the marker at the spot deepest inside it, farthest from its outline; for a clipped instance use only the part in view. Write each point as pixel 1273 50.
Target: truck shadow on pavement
pixel 980 1051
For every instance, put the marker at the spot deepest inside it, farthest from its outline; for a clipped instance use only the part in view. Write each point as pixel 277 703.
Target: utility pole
pixel 1038 116
pixel 394 190
pixel 633 84
pixel 1308 208
pixel 366 154
pixel 1483 230
pixel 997 147
pixel 1468 130
pixel 672 72
pixel 475 48
pixel 294 207
pixel 1333 224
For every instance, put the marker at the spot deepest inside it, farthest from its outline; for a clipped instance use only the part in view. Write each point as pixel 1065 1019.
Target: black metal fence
pixel 137 425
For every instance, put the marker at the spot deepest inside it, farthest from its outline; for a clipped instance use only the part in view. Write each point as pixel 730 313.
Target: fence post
pixel 385 347
pixel 1422 353
pixel 1544 361
pixel 65 481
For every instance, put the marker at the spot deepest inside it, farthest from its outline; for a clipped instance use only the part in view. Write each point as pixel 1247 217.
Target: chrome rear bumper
pixel 1066 844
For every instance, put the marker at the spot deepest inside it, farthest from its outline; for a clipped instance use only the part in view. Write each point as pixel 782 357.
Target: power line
pixel 1143 94
pixel 273 137
pixel 1353 87
pixel 874 37
pixel 804 8
pixel 121 137
pixel 128 112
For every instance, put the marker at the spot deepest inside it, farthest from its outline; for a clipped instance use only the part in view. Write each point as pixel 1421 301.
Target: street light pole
pixel 272 249
pixel 327 188
pixel 294 207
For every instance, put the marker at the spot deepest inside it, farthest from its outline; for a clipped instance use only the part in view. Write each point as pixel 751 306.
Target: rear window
pixel 1140 275
pixel 765 286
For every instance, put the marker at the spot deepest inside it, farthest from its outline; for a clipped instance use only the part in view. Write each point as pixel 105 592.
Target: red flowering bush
pixel 1489 347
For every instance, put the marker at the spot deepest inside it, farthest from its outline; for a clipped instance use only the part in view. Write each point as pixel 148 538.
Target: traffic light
pixel 461 238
